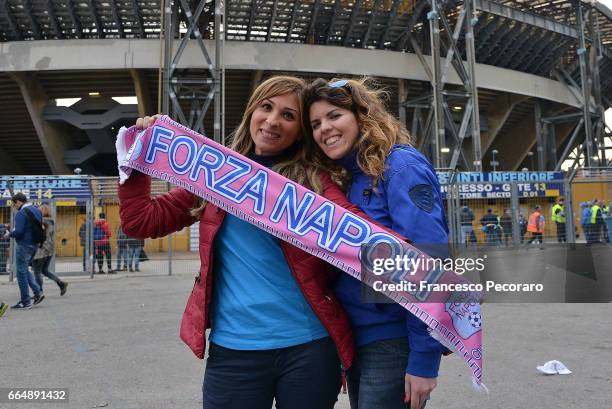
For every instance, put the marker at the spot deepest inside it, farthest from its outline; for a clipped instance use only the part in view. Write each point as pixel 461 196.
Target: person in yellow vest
pixel 558 216
pixel 596 221
pixel 535 225
pixel 606 226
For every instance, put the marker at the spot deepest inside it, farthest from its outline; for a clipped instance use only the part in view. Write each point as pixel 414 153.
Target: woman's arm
pixel 143 216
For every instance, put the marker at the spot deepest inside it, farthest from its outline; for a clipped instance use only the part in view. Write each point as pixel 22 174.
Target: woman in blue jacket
pixel 397 361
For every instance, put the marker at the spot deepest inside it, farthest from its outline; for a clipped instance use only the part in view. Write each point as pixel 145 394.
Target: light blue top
pixel 256 302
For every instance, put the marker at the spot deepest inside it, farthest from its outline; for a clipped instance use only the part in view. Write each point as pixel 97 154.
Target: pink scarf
pixel 289 211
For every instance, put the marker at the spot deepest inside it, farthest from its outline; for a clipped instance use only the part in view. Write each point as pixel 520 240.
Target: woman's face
pixel 275 124
pixel 335 129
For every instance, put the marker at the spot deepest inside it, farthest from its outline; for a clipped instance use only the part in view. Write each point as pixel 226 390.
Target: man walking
pixel 28 234
pixel 558 216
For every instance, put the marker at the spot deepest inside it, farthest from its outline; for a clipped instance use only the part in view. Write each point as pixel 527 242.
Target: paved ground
pixel 113 341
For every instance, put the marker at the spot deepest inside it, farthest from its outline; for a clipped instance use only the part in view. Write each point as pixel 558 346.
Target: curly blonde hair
pixel 379 130
pixel 299 166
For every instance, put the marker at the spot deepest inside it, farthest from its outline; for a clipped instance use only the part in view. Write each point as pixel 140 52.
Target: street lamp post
pixel 494 163
pixel 530 154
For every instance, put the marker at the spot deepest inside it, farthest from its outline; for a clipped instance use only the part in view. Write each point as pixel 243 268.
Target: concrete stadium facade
pixel 33 74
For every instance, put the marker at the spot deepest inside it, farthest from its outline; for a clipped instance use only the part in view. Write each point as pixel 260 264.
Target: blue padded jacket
pixel 408 201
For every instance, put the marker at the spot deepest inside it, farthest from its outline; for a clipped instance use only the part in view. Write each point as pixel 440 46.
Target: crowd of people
pixel 498 230
pixel 593 221
pixel 34 235
pixel 130 251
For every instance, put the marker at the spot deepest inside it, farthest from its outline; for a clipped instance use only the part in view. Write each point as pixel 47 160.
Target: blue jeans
pixel 376 379
pixel 41 267
pixel 122 254
pixel 25 278
pixel 134 256
pixel 305 376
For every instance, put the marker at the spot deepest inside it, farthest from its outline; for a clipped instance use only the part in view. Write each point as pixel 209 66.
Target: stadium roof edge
pixel 126 54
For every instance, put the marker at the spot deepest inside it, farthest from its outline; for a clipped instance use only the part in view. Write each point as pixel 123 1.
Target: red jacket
pixel 143 217
pixel 107 233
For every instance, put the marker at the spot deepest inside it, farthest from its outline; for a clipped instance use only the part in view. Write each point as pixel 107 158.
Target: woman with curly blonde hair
pixel 278 333
pixel 396 361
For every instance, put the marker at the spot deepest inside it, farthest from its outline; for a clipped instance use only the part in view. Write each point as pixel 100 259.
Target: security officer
pixel 558 216
pixel 596 221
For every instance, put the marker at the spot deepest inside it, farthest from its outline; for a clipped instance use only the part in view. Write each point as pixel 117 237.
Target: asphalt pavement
pixel 113 343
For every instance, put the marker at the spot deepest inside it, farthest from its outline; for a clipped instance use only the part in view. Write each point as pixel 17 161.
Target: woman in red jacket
pixel 277 330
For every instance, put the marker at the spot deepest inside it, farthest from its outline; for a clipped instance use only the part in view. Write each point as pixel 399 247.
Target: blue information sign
pixel 41 189
pixel 490 185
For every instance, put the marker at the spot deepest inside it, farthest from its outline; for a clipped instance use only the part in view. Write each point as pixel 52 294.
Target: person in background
pixel 135 247
pixel 558 216
pixel 522 226
pixel 596 222
pixel 490 226
pixel 83 243
pixel 122 250
pixel 101 239
pixel 506 224
pixel 5 243
pixel 605 215
pixel 536 225
pixel 44 255
pixel 466 216
pixel 27 219
pixel 585 220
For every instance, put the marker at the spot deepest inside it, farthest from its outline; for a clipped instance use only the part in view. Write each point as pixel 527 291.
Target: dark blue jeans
pixel 25 279
pixel 376 379
pixel 41 268
pixel 305 376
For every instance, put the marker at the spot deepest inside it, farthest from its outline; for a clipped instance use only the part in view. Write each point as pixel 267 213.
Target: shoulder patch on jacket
pixel 422 196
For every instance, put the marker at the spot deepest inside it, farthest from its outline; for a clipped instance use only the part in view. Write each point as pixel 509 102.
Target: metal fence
pixel 76 213
pixel 491 213
pixel 496 213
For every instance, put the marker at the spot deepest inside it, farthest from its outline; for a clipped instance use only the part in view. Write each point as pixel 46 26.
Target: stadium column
pixel 402 94
pixel 142 92
pixel 586 83
pixel 439 131
pixel 183 88
pixel 51 139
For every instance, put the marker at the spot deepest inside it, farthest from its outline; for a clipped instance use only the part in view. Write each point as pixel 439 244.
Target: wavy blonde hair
pixel 379 130
pixel 299 166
